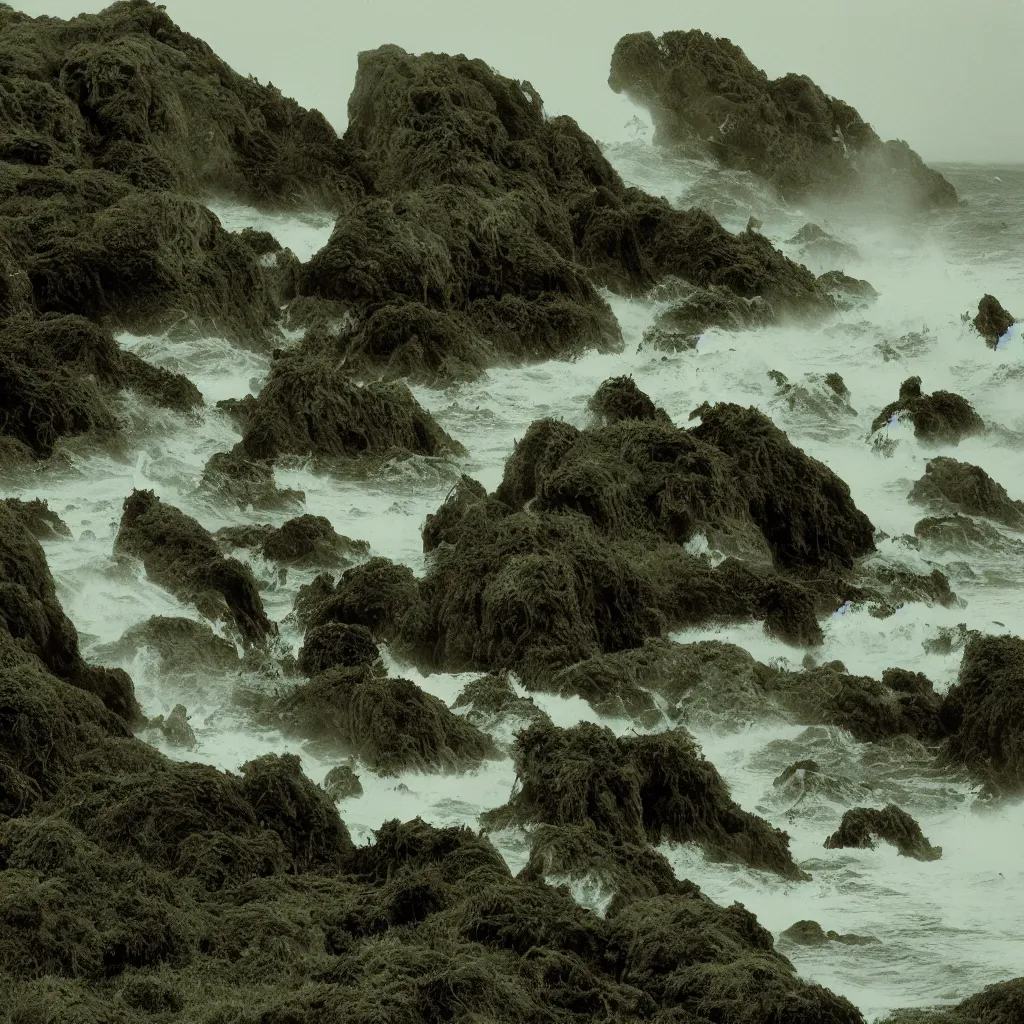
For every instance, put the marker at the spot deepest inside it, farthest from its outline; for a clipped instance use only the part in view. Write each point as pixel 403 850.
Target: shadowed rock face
pixel 941 416
pixel 984 711
pixel 948 483
pixel 487 226
pixel 706 97
pixel 181 556
pixel 862 825
pixel 992 321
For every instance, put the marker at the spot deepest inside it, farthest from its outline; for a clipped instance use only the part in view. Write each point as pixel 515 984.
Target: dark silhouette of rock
pixel 182 645
pixel 1002 1003
pixel 825 397
pixel 336 644
pixel 810 933
pixel 181 556
pixel 848 292
pixel 391 725
pixel 862 825
pixel 312 407
pixel 59 373
pixel 992 321
pixel 490 701
pixel 705 96
pixel 948 483
pixel 233 476
pixel 984 710
pixel 941 417
pixel 175 728
pixel 637 788
pixel 42 522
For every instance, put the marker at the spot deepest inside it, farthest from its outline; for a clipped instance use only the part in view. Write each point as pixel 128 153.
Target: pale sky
pixel 946 75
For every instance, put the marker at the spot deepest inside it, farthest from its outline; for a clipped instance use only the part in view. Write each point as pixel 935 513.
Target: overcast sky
pixel 946 75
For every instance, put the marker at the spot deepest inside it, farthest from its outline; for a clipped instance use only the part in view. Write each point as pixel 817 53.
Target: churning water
pixel 945 928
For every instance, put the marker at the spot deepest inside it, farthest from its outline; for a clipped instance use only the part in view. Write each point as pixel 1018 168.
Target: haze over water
pixel 945 928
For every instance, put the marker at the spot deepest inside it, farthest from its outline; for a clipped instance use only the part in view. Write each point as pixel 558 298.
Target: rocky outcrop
pixel 707 98
pixel 861 826
pixel 941 417
pixel 948 484
pixel 991 320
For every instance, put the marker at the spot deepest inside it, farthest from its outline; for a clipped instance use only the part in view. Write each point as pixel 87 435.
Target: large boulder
pixel 181 556
pixel 984 710
pixel 861 826
pixel 488 224
pixel 991 320
pixel 941 417
pixel 963 487
pixel 706 97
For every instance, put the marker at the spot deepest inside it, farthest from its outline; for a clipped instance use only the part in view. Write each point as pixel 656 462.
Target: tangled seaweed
pixel 182 557
pixel 707 98
pixel 862 825
pixel 939 417
pixel 636 789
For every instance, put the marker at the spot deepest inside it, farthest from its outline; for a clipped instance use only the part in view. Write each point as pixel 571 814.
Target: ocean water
pixel 945 928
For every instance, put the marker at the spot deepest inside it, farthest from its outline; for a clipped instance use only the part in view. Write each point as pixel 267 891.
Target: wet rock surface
pixel 984 710
pixel 991 320
pixel 707 98
pixel 862 826
pixel 180 555
pixel 810 933
pixel 939 417
pixel 949 484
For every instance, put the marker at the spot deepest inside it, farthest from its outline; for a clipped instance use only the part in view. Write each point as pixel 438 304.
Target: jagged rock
pixel 862 825
pixel 984 710
pixel 182 645
pixel 181 556
pixel 233 476
pixel 939 417
pixel 42 522
pixel 342 783
pixel 810 933
pixel 948 483
pixel 706 96
pixel 992 321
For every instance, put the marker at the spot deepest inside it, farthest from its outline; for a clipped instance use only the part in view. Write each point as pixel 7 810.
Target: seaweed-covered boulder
pixel 618 398
pixel 810 933
pixel 342 783
pixel 642 788
pixel 804 510
pixel 336 644
pixel 310 406
pixel 390 724
pixel 984 710
pixel 941 417
pixel 824 397
pixel 848 292
pixel 706 96
pixel 1002 1003
pixel 300 542
pixel 861 826
pixel 127 90
pixel 42 522
pixel 34 628
pixel 679 328
pixel 991 320
pixel 59 374
pixel 492 704
pixel 181 556
pixel 948 483
pixel 377 594
pixel 489 225
pixel 964 533
pixel 181 645
pixel 736 476
pixel 175 728
pixel 715 963
pixel 233 476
